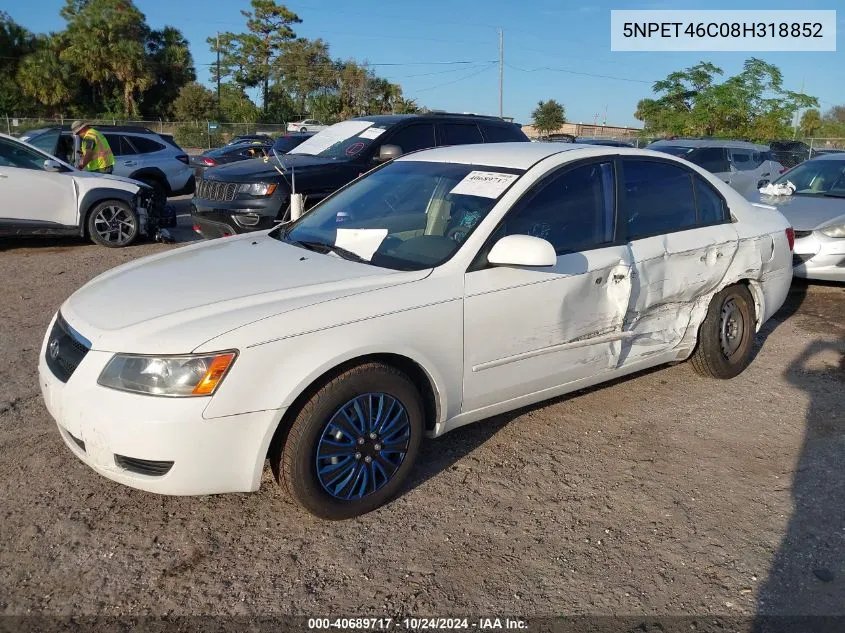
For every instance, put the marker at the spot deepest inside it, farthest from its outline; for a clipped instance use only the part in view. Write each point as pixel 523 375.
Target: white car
pixel 306 125
pixel 442 288
pixel 41 195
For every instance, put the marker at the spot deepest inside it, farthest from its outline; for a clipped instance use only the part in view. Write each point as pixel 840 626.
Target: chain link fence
pixel 188 134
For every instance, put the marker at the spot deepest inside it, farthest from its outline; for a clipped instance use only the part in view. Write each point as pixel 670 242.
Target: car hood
pixel 255 169
pixel 173 302
pixel 806 213
pixel 92 180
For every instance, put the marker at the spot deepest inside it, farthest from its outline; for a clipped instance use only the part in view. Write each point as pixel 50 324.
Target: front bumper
pixel 817 256
pixel 158 444
pixel 217 218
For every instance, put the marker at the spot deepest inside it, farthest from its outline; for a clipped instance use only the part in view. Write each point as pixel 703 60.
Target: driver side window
pixel 574 210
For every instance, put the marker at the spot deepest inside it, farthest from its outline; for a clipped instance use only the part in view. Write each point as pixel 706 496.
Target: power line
pixel 576 72
pixel 449 83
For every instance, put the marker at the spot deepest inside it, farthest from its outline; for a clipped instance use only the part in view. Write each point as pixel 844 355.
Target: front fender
pixel 93 197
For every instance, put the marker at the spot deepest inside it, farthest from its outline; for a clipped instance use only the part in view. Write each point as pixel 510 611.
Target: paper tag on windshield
pixel 362 242
pixel 371 132
pixel 486 184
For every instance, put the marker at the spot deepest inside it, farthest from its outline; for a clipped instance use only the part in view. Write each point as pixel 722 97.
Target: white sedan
pixel 306 125
pixel 440 289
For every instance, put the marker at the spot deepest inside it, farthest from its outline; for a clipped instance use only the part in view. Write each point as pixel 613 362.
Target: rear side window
pixel 659 198
pixel 413 137
pixel 502 133
pixel 119 145
pixel 461 134
pixel 741 159
pixel 713 159
pixel 287 143
pixel 711 206
pixel 146 145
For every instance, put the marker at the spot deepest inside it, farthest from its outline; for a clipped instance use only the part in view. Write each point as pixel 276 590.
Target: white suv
pixel 41 195
pixel 139 153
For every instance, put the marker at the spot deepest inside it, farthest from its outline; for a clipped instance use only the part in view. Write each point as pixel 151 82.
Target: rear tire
pixel 726 337
pixel 303 129
pixel 113 224
pixel 353 443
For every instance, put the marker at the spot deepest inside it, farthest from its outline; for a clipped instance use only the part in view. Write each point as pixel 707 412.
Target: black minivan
pixel 255 194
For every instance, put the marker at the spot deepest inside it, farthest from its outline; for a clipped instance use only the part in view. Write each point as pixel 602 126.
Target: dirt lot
pixel 664 493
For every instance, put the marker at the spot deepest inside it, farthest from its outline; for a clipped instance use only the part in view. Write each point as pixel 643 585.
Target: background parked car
pixel 307 125
pixel 228 154
pixel 744 166
pixel 816 210
pixel 252 195
pixel 609 142
pixel 789 153
pixel 251 138
pixel 139 153
pixel 41 195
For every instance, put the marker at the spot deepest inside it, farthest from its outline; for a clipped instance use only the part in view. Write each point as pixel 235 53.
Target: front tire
pixel 113 224
pixel 354 442
pixel 726 336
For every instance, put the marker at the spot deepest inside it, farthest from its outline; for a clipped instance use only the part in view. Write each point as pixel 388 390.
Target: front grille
pixel 797 260
pixel 65 349
pixel 216 191
pixel 143 466
pixel 800 234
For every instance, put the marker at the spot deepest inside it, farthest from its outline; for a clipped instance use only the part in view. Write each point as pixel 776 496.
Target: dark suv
pixel 255 194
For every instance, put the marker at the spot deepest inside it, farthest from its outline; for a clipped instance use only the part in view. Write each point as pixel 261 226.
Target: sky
pixel 416 44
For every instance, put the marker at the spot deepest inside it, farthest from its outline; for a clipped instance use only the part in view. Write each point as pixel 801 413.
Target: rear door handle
pixel 129 163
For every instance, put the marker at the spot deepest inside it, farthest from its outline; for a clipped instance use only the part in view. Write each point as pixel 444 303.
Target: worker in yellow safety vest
pixel 95 153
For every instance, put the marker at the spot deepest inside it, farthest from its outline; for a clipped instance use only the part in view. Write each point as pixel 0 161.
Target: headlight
pixel 835 230
pixel 192 375
pixel 258 189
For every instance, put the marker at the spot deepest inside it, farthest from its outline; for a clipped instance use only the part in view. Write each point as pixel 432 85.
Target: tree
pixel 303 68
pixel 253 54
pixel 43 77
pixel 751 104
pixel 15 43
pixel 105 46
pixel 194 102
pixel 236 106
pixel 548 116
pixel 811 123
pixel 836 114
pixel 172 67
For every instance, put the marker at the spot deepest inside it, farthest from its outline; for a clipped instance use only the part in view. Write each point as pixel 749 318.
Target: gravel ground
pixel 663 493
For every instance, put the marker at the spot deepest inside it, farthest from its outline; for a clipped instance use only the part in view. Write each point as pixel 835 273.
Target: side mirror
pixel 522 250
pixel 52 165
pixel 388 152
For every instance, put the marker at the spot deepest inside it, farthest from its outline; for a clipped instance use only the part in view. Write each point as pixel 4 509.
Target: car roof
pixel 392 119
pixel 702 142
pixel 518 155
pixel 831 156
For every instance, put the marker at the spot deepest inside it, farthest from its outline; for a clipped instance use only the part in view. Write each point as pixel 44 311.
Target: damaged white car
pixel 442 288
pixel 42 195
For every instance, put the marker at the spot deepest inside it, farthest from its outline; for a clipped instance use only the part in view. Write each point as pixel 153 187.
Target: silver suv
pixel 139 153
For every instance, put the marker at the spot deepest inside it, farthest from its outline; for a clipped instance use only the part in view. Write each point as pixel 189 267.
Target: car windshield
pixel 817 177
pixel 341 141
pixel 287 143
pixel 407 215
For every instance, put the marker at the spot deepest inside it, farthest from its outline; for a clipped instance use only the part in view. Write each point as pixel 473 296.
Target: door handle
pixel 619 277
pixel 3 176
pixel 129 163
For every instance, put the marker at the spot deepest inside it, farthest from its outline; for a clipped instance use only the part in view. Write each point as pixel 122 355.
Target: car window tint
pixel 15 155
pixel 146 145
pixel 574 210
pixel 502 133
pixel 47 142
pixel 286 143
pixel 461 134
pixel 741 159
pixel 659 198
pixel 713 159
pixel 711 206
pixel 413 137
pixel 119 145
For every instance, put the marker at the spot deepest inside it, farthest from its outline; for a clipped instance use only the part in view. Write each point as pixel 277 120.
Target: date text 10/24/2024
pixel 417 624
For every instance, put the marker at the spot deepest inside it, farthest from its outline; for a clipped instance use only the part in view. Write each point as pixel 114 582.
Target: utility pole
pixel 501 71
pixel 797 120
pixel 604 123
pixel 218 75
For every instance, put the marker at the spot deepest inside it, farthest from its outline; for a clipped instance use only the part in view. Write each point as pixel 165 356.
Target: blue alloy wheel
pixel 362 446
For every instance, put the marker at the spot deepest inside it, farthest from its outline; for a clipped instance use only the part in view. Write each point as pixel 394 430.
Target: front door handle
pixel 129 163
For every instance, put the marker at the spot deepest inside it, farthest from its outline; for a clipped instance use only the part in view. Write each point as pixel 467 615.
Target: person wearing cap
pixel 95 153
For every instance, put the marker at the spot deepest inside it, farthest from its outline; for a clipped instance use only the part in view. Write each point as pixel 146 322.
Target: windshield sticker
pixel 331 135
pixel 362 242
pixel 373 132
pixel 485 184
pixel 354 148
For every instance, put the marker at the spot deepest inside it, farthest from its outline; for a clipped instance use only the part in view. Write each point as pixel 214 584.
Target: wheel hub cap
pixel 362 446
pixel 731 328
